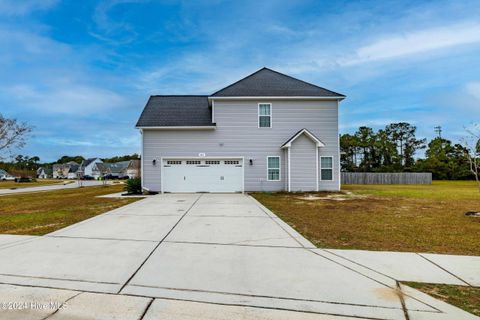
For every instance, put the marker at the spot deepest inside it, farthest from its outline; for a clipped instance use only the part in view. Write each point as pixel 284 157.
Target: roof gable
pixel 305 132
pixel 269 83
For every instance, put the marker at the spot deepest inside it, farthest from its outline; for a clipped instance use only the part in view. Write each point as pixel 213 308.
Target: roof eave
pixel 212 127
pixel 339 98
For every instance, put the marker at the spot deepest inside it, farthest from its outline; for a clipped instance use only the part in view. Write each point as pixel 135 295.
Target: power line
pixel 438 131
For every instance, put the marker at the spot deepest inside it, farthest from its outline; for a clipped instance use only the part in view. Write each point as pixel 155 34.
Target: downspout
pixel 142 160
pixel 288 156
pixel 316 167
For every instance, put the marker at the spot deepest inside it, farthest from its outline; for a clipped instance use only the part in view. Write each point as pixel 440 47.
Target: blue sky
pixel 81 71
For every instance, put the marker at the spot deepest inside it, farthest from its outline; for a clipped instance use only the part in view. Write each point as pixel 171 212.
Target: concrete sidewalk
pixel 211 256
pixel 74 184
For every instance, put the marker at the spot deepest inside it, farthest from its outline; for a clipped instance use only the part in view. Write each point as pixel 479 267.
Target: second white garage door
pixel 202 175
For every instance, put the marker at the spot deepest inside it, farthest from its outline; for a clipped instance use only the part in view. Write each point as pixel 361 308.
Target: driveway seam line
pixel 109 239
pixel 60 279
pixel 146 309
pixel 276 222
pixel 159 243
pixel 268 308
pixel 378 281
pixel 63 303
pixel 231 244
pixel 438 266
pixel 359 264
pixel 273 297
pixel 402 301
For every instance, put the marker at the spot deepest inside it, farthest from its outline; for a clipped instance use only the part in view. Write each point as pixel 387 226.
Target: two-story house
pixel 87 168
pixel 265 132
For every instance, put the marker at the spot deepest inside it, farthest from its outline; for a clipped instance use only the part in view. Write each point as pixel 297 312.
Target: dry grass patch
pixel 388 217
pixel 466 298
pixel 44 212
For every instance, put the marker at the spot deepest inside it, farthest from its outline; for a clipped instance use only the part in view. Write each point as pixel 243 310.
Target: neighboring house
pixel 73 171
pixel 44 173
pixel 61 170
pixel 116 169
pixel 133 169
pixel 4 175
pixel 100 169
pixel 87 168
pixel 265 132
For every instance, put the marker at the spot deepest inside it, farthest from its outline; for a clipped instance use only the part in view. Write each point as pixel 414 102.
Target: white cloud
pixel 71 99
pixel 473 90
pixel 416 42
pixel 23 7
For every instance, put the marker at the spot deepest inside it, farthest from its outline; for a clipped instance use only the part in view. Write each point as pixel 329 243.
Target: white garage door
pixel 202 175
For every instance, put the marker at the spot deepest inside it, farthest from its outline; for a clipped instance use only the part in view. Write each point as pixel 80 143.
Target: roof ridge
pixel 264 68
pixel 282 74
pixel 309 83
pixel 179 95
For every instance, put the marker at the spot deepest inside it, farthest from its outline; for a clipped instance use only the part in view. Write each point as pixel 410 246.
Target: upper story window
pixel 264 115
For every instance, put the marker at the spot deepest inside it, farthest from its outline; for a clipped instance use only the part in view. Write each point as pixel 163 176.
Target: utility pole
pixel 438 131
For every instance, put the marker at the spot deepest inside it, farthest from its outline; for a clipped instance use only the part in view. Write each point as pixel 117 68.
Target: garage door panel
pixel 206 175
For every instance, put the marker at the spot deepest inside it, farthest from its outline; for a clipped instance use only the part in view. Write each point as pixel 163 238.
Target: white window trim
pixel 271 115
pixel 333 176
pixel 279 168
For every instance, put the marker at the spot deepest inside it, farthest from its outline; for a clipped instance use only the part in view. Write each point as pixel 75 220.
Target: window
pixel 212 162
pixel 273 168
pixel 264 115
pixel 326 168
pixel 193 161
pixel 232 162
pixel 174 162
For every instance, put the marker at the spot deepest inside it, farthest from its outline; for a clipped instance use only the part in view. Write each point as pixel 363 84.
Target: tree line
pixel 395 149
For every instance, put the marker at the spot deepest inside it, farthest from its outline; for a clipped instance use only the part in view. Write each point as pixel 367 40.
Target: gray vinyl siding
pixel 303 165
pixel 237 135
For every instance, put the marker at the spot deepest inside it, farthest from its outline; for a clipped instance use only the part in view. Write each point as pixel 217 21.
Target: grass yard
pixel 419 218
pixel 466 298
pixel 44 212
pixel 38 183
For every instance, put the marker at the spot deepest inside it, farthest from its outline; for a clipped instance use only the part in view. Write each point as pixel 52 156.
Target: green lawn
pixel 418 218
pixel 39 182
pixel 44 212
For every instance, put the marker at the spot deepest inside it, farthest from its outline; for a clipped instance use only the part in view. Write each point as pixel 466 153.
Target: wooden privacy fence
pixel 386 178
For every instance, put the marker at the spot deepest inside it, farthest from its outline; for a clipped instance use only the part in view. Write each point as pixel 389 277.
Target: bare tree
pixel 472 150
pixel 12 134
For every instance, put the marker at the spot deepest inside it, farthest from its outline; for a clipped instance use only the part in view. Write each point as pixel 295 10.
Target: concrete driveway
pixel 197 256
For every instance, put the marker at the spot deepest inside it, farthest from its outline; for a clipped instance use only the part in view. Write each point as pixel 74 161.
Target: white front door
pixel 202 175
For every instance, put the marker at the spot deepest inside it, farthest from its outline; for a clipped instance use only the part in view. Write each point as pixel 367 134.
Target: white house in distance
pixel 44 172
pixel 88 165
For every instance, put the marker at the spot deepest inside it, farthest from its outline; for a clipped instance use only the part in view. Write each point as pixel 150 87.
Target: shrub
pixel 23 179
pixel 133 186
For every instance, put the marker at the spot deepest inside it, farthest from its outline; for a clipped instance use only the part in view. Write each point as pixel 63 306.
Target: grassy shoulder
pixel 418 218
pixel 466 298
pixel 44 212
pixel 37 183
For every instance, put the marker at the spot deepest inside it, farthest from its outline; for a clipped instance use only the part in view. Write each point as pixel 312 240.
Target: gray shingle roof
pixel 176 111
pixel 193 110
pixel 269 83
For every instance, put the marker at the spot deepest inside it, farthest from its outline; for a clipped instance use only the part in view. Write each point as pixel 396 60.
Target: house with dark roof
pixel 266 132
pixel 87 166
pixel 62 170
pixel 44 172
